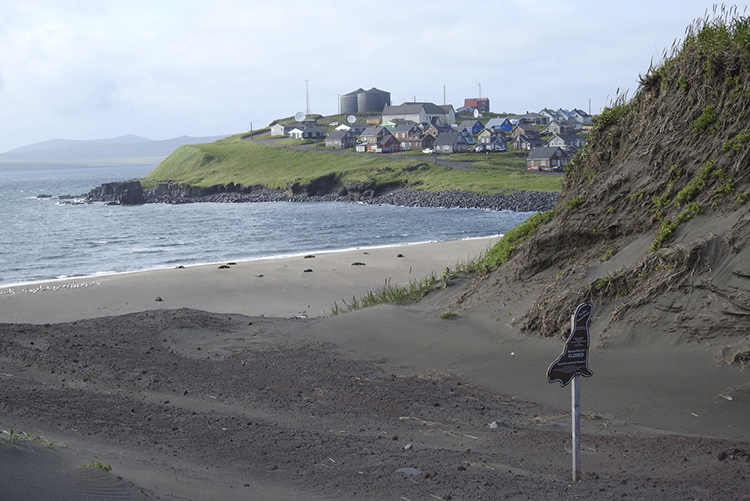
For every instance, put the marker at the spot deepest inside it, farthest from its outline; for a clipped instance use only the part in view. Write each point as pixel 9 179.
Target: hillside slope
pixel 653 222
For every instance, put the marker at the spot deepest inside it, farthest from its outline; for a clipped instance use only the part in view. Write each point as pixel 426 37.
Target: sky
pixel 97 69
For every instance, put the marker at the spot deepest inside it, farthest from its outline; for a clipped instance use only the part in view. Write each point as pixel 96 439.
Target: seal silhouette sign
pixel 574 360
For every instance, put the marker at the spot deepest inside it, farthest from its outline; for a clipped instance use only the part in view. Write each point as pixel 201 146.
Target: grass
pixel 503 249
pixel 389 294
pixel 13 437
pixel 252 163
pixel 418 289
pixel 97 464
pixel 706 122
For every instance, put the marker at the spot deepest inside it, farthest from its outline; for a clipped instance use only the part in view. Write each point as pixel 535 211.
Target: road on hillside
pixel 309 147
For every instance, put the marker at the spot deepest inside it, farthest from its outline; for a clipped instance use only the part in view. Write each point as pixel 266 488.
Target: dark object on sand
pixel 224 267
pixel 357 263
pixel 308 270
pixel 158 298
pixel 400 255
pixel 309 256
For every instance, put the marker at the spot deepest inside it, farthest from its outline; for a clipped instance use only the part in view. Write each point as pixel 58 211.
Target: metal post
pixel 576 417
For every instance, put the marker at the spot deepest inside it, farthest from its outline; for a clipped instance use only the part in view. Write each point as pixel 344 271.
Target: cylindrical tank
pixel 348 102
pixel 373 100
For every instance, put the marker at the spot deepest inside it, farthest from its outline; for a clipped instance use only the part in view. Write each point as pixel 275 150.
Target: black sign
pixel 574 360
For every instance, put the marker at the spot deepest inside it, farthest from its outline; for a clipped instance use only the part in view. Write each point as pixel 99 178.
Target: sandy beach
pixel 239 384
pixel 304 286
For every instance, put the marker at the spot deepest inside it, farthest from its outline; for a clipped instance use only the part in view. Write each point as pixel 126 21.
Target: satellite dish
pixel 351 119
pixel 476 113
pixel 299 116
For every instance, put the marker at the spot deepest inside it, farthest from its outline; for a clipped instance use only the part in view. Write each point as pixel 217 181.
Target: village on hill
pixel 373 125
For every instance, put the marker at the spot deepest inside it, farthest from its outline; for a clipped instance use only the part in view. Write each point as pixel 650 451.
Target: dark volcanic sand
pixel 185 404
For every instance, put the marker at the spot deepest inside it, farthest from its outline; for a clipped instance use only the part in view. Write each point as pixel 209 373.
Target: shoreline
pixel 308 284
pixel 133 193
pixel 4 288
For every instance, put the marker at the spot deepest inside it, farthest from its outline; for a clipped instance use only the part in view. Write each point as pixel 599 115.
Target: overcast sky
pixel 93 69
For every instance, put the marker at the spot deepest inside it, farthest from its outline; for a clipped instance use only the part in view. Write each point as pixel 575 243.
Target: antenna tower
pixel 479 84
pixel 307 97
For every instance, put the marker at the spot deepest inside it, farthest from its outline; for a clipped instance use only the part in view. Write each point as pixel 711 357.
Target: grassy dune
pixel 250 163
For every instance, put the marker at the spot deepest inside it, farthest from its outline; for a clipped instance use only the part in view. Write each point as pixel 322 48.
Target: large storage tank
pixel 348 103
pixel 373 100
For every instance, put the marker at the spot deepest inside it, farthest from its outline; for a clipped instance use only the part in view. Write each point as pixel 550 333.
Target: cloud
pixel 86 69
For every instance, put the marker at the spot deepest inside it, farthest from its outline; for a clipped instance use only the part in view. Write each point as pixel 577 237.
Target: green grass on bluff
pixel 252 163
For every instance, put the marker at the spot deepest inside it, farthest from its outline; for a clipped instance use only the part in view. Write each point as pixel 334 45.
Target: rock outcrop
pixel 119 193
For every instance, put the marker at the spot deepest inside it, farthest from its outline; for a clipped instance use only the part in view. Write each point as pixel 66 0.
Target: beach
pixel 234 381
pixel 304 286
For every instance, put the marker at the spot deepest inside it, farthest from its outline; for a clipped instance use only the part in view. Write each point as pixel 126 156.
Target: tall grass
pixel 414 291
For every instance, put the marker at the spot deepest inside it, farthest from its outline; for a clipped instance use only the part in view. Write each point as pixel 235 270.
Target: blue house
pixel 471 127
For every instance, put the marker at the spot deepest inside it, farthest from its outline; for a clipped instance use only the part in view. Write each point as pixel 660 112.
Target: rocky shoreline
pixel 132 193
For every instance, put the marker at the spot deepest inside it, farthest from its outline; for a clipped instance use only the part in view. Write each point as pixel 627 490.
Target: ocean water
pixel 43 239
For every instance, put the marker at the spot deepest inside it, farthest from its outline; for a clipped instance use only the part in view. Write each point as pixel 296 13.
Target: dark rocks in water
pixel 120 193
pixel 42 195
pixel 131 192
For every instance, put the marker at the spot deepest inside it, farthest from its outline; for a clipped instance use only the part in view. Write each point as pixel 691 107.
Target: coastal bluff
pixel 133 193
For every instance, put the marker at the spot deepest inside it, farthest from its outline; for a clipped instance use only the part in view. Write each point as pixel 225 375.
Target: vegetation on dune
pixel 252 163
pixel 677 152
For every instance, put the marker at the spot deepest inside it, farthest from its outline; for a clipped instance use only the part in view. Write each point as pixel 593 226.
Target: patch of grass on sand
pixel 13 437
pixel 389 294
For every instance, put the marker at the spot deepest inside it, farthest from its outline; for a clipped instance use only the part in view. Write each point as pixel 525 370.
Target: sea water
pixel 44 239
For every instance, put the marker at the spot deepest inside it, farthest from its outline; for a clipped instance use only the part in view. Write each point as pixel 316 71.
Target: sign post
pixel 572 363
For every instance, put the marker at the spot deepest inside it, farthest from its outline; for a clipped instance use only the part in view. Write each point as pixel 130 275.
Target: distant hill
pixel 125 150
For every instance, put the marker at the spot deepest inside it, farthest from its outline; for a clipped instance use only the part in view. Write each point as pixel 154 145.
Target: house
pixel 533 119
pixel 502 124
pixel 313 133
pixel 567 142
pixel 523 129
pixel 280 129
pixel 296 133
pixel 563 127
pixel 378 139
pixel 547 158
pixel 550 114
pixel 451 142
pixel 471 127
pixel 581 116
pixel 406 129
pixel 357 128
pixel 435 129
pixel 422 113
pixel 342 139
pixel 497 143
pixel 382 144
pixel 481 104
pixel 492 142
pixel 483 137
pixel 524 142
pixel 372 134
pixel 417 143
